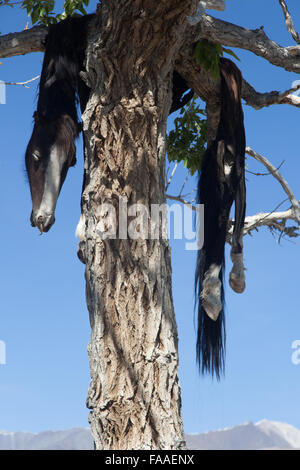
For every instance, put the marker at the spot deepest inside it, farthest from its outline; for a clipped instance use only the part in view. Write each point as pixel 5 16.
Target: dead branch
pixel 29 40
pixel 274 172
pixel 189 204
pixel 255 40
pixel 23 83
pixel 260 100
pixel 289 21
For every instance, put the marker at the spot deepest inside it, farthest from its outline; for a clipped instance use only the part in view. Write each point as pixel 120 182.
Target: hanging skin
pixel 221 182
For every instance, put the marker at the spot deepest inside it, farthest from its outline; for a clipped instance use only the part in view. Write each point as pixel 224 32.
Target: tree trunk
pixel 134 395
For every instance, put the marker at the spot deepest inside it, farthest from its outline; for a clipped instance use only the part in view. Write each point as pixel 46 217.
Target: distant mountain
pixel 70 439
pixel 248 436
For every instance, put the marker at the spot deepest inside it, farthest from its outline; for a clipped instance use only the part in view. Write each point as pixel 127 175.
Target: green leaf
pixel 42 11
pixel 82 9
pixel 206 55
pixel 187 141
pixel 230 52
pixel 35 15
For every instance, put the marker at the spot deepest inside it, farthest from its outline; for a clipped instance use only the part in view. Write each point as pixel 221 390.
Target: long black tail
pixel 217 188
pixel 210 267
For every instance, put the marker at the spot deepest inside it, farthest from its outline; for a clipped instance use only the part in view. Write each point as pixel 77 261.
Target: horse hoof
pixel 212 307
pixel 211 297
pixel 237 284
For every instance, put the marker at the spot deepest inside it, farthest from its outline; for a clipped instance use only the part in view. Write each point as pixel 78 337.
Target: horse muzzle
pixel 42 221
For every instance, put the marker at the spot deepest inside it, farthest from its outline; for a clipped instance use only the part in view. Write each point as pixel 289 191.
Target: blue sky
pixel 43 316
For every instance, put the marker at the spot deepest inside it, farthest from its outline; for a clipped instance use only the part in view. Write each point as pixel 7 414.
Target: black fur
pixel 180 87
pixel 63 60
pixel 217 193
pixel 60 83
pixel 55 120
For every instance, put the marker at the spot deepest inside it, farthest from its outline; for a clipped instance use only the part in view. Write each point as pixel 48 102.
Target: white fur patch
pixel 213 271
pixel 52 183
pixel 227 169
pixel 80 229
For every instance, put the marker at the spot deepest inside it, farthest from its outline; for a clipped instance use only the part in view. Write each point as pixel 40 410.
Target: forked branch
pixel 260 100
pixel 278 176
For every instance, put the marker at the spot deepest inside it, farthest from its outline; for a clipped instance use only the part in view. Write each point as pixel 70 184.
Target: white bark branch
pixel 171 176
pixel 289 21
pixel 184 183
pixel 213 4
pixel 273 220
pixel 23 83
pixel 274 172
pixel 205 5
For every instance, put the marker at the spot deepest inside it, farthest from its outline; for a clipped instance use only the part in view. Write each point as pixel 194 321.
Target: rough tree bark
pixel 134 395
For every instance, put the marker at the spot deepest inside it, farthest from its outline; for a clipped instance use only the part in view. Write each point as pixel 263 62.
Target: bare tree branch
pixel 213 4
pixel 255 41
pixel 183 201
pixel 24 42
pixel 184 183
pixel 272 220
pixel 295 205
pixel 289 21
pixel 171 176
pixel 260 100
pixel 265 174
pixel 23 83
pixel 205 5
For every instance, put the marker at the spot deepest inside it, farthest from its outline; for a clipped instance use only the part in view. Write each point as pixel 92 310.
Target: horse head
pixel 50 153
pixel 51 149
